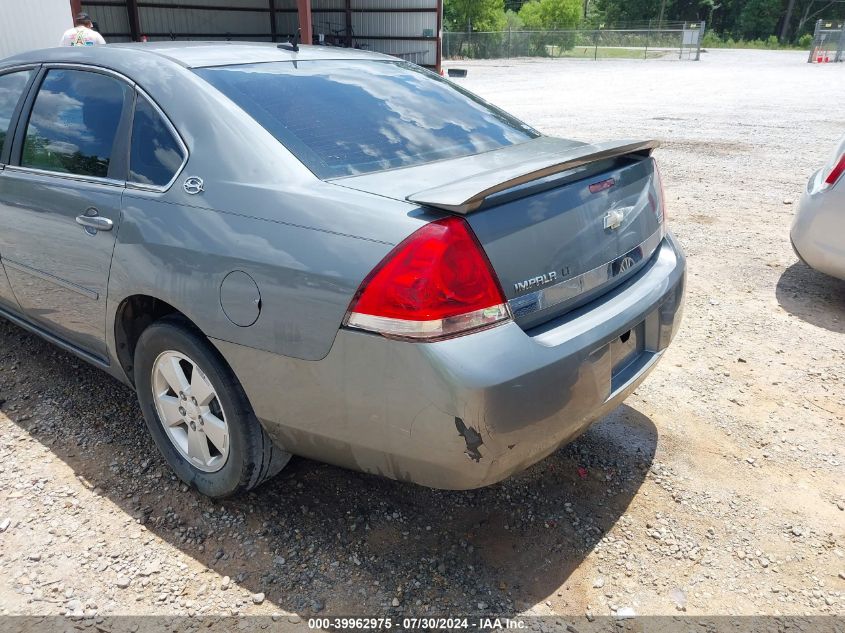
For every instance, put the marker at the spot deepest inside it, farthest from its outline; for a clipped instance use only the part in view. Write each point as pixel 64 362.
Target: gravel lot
pixel 718 488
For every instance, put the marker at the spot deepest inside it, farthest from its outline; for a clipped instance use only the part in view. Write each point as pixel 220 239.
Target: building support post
pixel 274 35
pixel 348 37
pixel 134 19
pixel 438 64
pixel 75 7
pixel 305 23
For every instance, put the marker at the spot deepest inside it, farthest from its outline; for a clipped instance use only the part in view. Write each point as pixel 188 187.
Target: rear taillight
pixel 435 284
pixel 661 205
pixel 835 173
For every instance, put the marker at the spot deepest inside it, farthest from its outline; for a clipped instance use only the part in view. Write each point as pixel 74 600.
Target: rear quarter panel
pixel 306 275
pixel 307 244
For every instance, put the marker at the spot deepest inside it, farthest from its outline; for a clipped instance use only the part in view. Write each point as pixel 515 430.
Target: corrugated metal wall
pixel 401 25
pixel 30 24
pixel 406 28
pixel 112 21
pixel 212 19
pixel 237 23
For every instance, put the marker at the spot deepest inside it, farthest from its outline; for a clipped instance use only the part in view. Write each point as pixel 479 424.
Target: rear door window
pixel 74 123
pixel 12 86
pixel 347 117
pixel 156 155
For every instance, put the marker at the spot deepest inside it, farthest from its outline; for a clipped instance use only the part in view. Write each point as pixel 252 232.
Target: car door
pixel 60 199
pixel 14 85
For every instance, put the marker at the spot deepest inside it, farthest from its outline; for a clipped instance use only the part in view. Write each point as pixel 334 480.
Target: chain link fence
pixel 828 43
pixel 682 42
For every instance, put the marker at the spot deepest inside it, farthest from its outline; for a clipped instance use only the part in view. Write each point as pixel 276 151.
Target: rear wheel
pixel 198 413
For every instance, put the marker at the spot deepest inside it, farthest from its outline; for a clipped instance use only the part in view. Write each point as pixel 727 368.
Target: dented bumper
pixel 469 411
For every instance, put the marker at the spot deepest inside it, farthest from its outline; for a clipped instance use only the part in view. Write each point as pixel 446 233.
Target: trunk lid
pixel 562 222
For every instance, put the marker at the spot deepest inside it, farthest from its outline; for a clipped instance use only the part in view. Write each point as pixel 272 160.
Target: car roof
pixel 123 57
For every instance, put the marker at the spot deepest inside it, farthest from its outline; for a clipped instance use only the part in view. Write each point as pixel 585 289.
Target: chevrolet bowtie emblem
pixel 613 218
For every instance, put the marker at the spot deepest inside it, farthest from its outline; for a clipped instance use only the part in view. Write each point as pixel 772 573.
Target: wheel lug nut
pixel 194 401
pixel 182 411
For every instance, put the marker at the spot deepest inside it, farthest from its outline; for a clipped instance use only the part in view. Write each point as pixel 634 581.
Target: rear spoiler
pixel 466 195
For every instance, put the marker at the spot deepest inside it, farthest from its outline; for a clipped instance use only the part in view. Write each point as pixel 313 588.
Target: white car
pixel 818 230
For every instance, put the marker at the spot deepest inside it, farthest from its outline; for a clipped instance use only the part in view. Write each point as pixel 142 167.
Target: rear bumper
pixel 817 229
pixel 469 411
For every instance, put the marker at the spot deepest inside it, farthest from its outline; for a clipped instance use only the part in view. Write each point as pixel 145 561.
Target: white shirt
pixel 81 36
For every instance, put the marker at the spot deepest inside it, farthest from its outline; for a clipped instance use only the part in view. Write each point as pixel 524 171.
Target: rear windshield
pixel 343 118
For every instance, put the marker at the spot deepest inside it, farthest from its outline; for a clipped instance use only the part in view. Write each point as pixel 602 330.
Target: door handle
pixel 93 221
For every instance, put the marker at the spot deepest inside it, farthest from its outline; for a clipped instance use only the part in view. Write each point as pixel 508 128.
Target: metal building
pixel 25 26
pixel 410 29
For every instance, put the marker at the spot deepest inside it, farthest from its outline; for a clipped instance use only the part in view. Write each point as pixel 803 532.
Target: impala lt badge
pixel 542 280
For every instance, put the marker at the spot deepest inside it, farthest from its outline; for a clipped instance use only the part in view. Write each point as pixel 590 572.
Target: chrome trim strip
pixel 23 268
pixel 90 68
pixel 18 67
pixel 94 180
pixel 130 184
pixel 568 289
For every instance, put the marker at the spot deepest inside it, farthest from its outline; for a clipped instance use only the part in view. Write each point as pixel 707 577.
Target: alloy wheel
pixel 190 411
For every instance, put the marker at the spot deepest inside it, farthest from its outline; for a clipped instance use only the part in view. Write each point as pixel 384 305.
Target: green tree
pixel 814 9
pixel 759 18
pixel 478 15
pixel 551 14
pixel 513 22
pixel 622 12
pixel 641 12
pixel 729 19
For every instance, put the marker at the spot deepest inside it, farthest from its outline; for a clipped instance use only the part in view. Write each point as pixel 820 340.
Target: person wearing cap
pixel 83 33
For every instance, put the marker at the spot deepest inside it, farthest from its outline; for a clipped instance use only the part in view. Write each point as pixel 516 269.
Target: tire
pixel 238 455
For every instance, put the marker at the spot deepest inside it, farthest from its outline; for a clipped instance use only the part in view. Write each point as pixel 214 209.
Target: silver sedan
pixel 328 253
pixel 818 231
